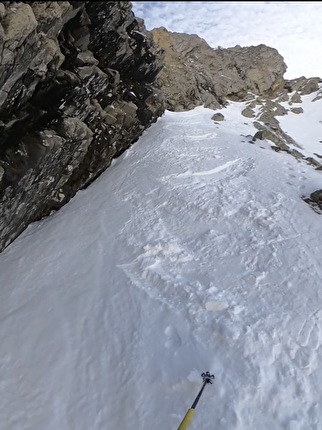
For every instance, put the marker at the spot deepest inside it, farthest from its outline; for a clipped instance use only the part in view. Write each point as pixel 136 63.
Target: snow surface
pixel 193 252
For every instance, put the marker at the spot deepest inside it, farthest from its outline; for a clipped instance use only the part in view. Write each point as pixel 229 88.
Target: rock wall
pixel 196 74
pixel 76 90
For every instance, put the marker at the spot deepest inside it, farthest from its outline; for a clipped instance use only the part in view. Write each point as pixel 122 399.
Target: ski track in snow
pixel 195 262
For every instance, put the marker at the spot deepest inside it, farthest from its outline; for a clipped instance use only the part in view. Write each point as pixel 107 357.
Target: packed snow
pixel 193 252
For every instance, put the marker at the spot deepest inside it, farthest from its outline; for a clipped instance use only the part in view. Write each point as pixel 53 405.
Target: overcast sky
pixel 293 28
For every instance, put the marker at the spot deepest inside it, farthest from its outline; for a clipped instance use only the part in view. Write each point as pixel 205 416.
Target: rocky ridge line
pixel 76 90
pixel 195 74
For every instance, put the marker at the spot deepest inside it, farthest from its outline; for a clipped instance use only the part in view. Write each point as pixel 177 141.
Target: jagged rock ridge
pixel 76 89
pixel 196 74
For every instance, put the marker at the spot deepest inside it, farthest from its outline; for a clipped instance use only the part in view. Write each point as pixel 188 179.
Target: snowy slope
pixel 193 252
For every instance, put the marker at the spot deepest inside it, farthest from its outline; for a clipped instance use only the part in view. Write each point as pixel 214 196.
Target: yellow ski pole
pixel 207 379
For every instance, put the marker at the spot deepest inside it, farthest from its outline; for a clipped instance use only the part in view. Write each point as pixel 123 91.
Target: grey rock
pixel 280 110
pixel 218 117
pixel 297 110
pixel 51 16
pixel 86 58
pixel 315 201
pixel 318 96
pixel 303 85
pixel 18 23
pixel 296 154
pixel 193 71
pixel 248 112
pixel 284 97
pixel 313 162
pixel 296 98
pixel 252 104
pixel 310 86
pixel 316 196
pixel 273 137
pixel 267 117
pixel 259 126
pixel 2 10
pixel 68 105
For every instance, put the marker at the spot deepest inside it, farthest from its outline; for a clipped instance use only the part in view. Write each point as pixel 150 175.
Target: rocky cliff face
pixel 80 82
pixel 196 74
pixel 76 90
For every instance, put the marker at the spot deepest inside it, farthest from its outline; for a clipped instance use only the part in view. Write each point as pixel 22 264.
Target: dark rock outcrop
pixel 315 201
pixel 196 74
pixel 76 90
pixel 218 117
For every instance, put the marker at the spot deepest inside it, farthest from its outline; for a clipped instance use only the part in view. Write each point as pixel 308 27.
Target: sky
pixel 193 252
pixel 293 28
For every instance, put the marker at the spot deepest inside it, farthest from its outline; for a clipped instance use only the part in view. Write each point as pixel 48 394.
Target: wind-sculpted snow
pixel 193 252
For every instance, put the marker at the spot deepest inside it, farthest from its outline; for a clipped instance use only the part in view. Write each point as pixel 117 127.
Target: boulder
pixel 218 117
